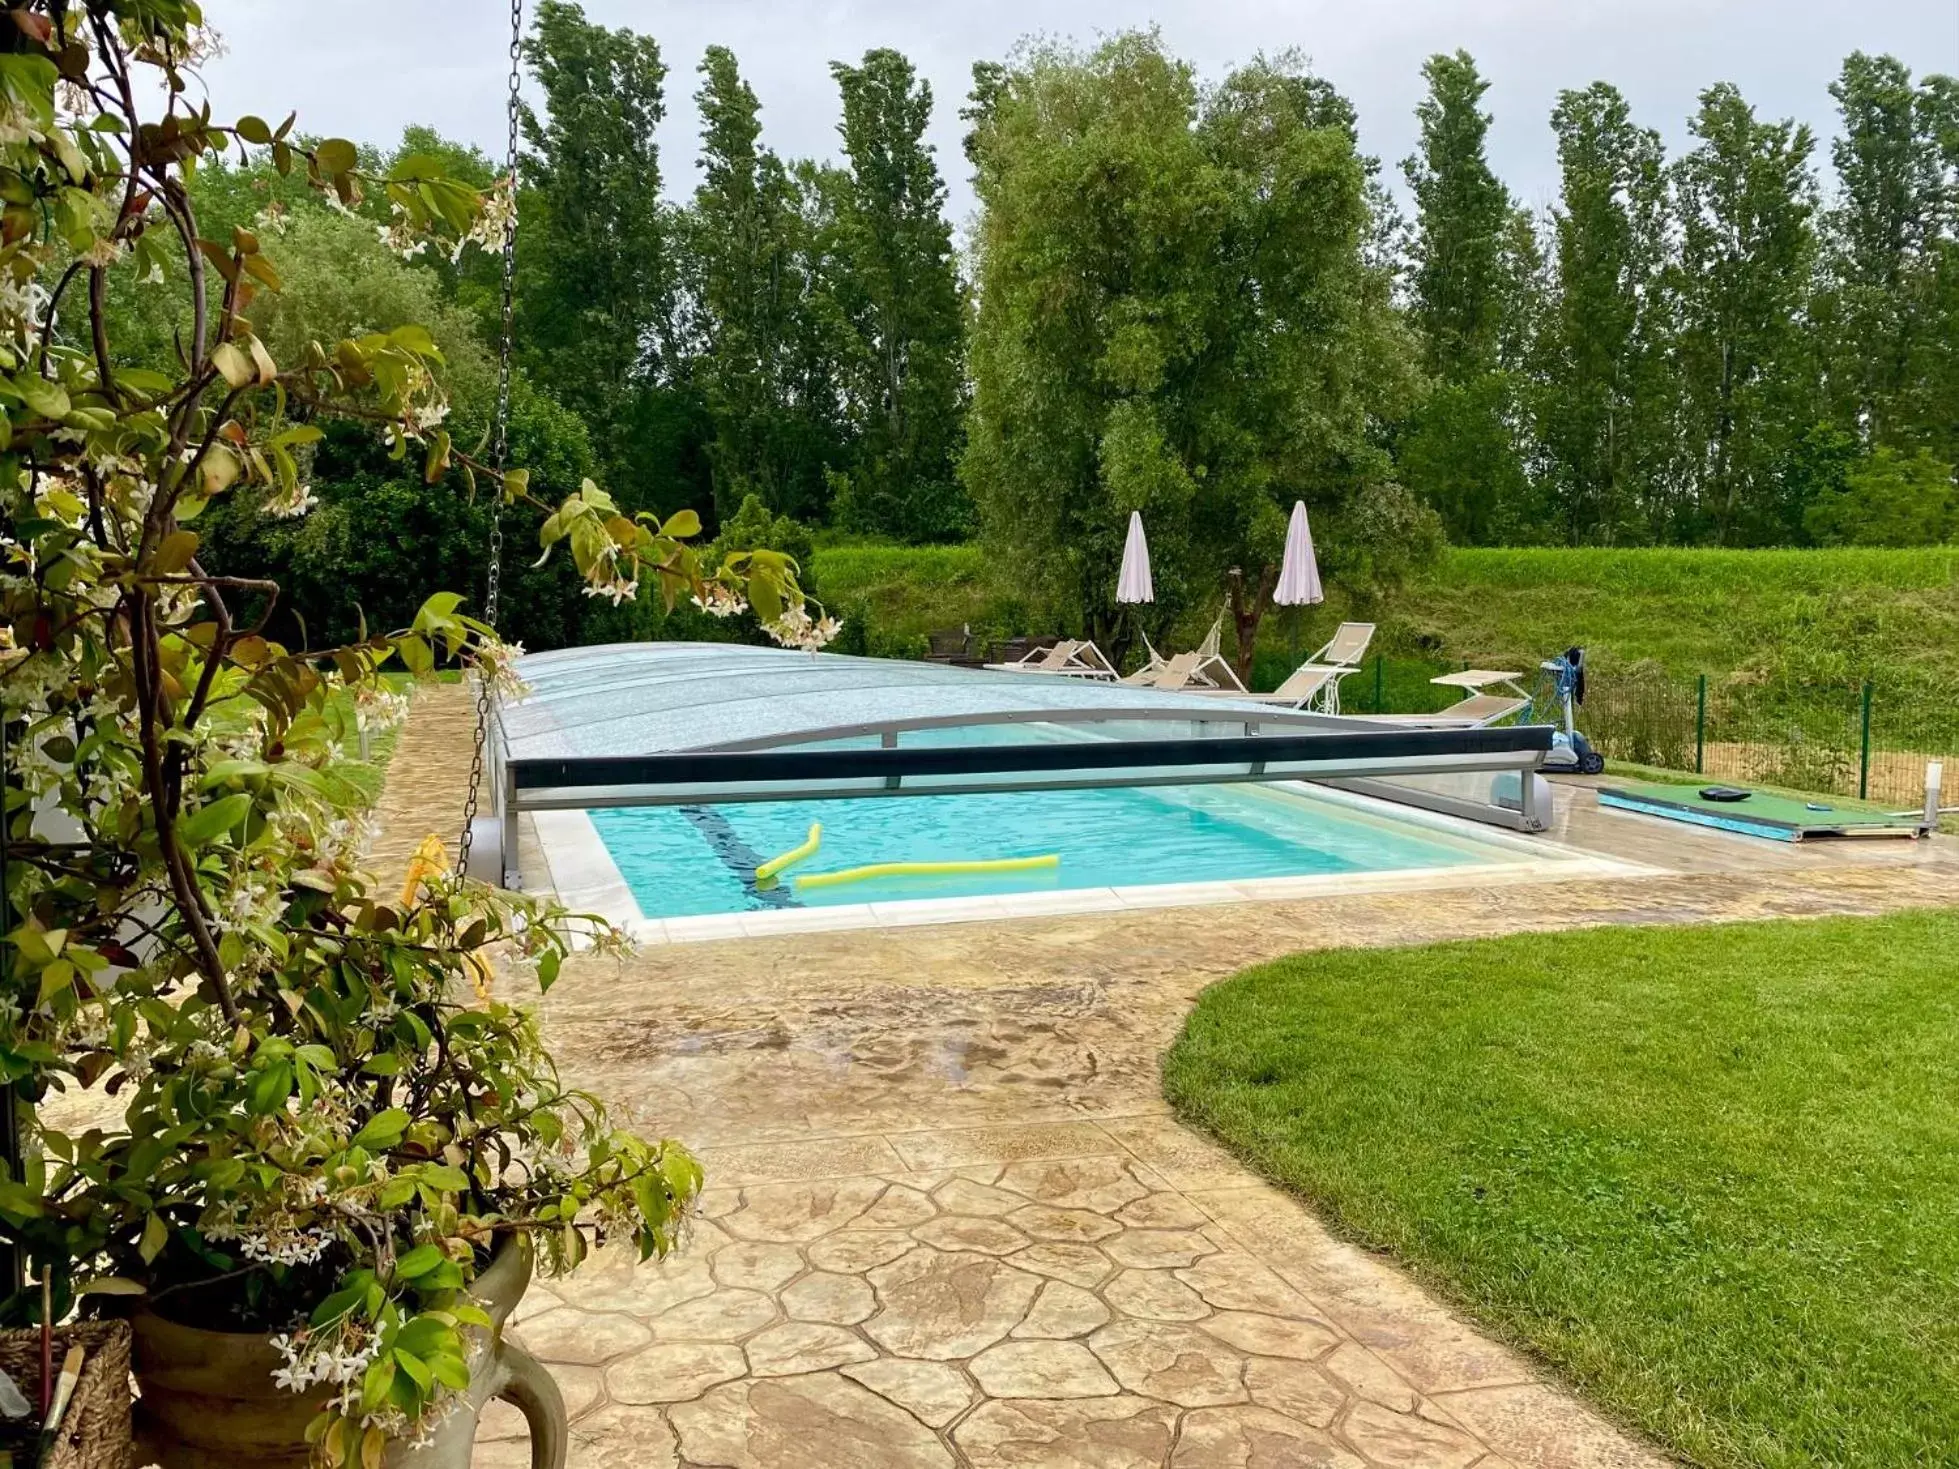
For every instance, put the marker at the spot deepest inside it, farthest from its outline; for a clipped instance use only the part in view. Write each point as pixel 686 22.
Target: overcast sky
pixel 365 68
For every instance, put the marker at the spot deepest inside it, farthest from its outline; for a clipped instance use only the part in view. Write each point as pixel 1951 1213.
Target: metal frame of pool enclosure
pixel 701 724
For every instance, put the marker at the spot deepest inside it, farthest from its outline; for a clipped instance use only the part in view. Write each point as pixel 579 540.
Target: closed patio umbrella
pixel 1134 584
pixel 1299 573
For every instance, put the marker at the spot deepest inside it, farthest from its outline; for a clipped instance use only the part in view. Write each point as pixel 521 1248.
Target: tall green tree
pixel 1745 198
pixel 1877 237
pixel 1604 412
pixel 1890 300
pixel 1461 453
pixel 758 234
pixel 1462 211
pixel 596 297
pixel 1175 316
pixel 904 306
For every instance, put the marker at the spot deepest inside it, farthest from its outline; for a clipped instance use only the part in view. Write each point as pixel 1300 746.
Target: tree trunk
pixel 1246 614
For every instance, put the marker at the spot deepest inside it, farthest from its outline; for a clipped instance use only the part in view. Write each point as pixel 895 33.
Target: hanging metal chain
pixel 500 434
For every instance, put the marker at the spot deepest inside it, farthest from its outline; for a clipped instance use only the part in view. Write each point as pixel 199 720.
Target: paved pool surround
pixel 950 1221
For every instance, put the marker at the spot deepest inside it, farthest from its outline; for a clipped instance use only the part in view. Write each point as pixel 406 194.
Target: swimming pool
pixel 684 861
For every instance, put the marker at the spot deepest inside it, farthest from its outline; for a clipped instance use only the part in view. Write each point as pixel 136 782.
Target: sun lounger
pixel 1315 684
pixel 1172 674
pixel 1311 686
pixel 1204 670
pixel 1346 648
pixel 1070 658
pixel 1478 711
pixel 1480 708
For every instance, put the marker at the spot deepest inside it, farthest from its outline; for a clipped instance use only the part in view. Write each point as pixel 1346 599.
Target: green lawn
pixel 1711 1174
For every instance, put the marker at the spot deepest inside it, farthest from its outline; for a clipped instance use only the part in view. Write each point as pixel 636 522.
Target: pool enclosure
pixel 708 724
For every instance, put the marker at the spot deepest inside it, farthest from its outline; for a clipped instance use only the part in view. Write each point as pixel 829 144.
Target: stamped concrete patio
pixel 950 1221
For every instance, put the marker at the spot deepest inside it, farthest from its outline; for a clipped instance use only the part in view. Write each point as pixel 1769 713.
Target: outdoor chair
pixel 951 645
pixel 1478 711
pixel 1208 671
pixel 1069 658
pixel 1314 687
pixel 1315 684
pixel 1480 708
pixel 1346 648
pixel 1170 674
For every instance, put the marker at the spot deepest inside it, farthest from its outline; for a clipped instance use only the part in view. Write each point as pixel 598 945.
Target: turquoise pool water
pixel 680 861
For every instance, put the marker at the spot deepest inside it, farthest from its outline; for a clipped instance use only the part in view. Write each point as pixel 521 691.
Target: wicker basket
pixel 95 1431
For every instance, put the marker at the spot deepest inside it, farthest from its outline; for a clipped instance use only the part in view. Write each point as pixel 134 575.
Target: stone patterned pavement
pixel 951 1222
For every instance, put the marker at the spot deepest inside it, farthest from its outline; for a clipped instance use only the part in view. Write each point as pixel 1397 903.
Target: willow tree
pixel 1175 316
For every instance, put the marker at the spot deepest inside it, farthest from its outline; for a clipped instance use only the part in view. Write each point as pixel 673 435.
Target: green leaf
pixel 451 1372
pixel 383 1130
pixel 417 1370
pixel 49 400
pixel 338 1304
pixel 210 820
pixel 682 524
pixel 175 553
pixel 418 1262
pixel 270 1088
pixel 336 156
pixel 374 1386
pixel 254 130
pixel 114 1285
pixel 235 365
pixel 156 1234
pixel 416 654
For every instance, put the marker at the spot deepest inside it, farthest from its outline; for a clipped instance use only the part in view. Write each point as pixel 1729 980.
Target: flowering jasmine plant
pixel 322 1127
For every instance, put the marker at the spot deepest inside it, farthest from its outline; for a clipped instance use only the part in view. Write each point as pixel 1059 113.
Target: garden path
pixel 949 1218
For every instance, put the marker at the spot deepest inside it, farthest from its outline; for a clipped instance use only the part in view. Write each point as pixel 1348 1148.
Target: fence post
pixel 1379 660
pixel 1864 749
pixel 1700 730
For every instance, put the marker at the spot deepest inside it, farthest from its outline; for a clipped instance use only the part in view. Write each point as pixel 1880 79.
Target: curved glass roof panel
pixel 656 698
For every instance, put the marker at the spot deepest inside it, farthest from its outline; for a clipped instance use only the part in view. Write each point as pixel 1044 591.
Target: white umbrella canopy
pixel 1134 584
pixel 1299 573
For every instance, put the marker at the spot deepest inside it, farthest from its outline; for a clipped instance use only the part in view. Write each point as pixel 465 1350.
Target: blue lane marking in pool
pixel 1105 838
pixel 738 857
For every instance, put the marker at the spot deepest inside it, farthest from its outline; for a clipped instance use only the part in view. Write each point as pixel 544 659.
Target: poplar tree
pixel 755 233
pixel 1460 452
pixel 1745 198
pixel 1602 412
pixel 596 280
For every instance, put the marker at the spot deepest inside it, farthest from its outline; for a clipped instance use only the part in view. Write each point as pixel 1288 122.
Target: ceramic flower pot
pixel 209 1402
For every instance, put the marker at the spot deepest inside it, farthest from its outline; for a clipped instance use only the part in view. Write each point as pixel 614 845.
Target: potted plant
pixel 329 1147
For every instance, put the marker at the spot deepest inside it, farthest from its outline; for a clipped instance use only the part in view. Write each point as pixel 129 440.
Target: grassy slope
pixel 909 591
pixel 1712 1174
pixel 1693 611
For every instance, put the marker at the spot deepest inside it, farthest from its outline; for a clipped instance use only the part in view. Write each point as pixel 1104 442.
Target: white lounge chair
pixel 1479 708
pixel 1206 670
pixel 1070 658
pixel 1311 686
pixel 1175 675
pixel 1347 647
pixel 1315 684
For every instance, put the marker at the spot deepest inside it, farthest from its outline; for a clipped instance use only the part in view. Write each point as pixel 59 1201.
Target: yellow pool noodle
pixel 925 869
pixel 767 872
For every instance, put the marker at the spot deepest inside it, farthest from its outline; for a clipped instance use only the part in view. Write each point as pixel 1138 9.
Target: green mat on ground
pixel 1763 814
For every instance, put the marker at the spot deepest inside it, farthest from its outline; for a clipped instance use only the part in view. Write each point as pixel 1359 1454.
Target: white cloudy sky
pixel 364 68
